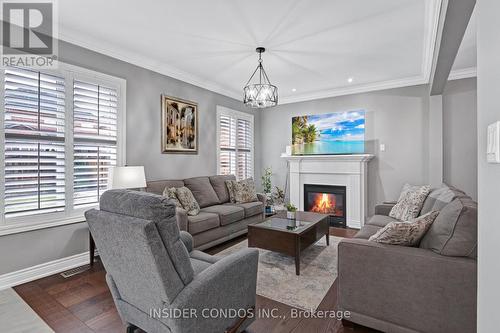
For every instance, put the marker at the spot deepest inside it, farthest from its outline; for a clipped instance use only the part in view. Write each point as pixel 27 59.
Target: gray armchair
pixel 158 282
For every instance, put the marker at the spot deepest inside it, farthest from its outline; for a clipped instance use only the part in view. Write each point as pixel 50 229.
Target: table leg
pixel 297 256
pixel 327 238
pixel 91 249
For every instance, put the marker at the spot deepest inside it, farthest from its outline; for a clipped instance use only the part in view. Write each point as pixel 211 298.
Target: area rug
pixel 276 277
pixel 16 316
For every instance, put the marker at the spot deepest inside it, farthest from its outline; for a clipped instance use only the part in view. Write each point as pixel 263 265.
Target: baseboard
pixel 39 271
pixel 354 224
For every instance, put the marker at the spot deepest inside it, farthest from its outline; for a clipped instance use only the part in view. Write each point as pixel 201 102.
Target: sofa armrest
pixel 230 283
pixel 187 240
pixel 411 287
pixel 182 218
pixel 384 209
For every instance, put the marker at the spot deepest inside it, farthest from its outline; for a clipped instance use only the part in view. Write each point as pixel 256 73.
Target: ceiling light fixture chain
pixel 262 94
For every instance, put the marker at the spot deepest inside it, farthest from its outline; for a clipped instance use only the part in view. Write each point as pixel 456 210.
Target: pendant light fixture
pixel 260 94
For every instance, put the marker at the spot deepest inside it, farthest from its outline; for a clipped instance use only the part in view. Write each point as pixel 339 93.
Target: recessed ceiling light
pixel 350 80
pixel 294 90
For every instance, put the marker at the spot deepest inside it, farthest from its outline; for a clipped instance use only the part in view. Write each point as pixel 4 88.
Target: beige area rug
pixel 16 316
pixel 276 277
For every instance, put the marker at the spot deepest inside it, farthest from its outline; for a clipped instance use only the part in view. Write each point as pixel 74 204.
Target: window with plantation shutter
pixel 34 154
pixel 60 131
pixel 95 137
pixel 234 143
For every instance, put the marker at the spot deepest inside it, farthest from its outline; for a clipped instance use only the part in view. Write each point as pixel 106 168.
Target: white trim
pixel 9 229
pixel 222 110
pixel 431 25
pixel 463 73
pixel 42 270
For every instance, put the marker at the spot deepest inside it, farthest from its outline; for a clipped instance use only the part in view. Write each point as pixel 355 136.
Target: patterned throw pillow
pixel 170 192
pixel 187 200
pixel 405 233
pixel 230 190
pixel 410 202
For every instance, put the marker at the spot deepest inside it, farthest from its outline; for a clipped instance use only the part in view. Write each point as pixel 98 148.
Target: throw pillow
pixel 188 201
pixel 410 202
pixel 169 192
pixel 405 233
pixel 244 191
pixel 230 190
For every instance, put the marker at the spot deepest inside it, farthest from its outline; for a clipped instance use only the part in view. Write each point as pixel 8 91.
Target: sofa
pixel 430 288
pixel 152 269
pixel 219 220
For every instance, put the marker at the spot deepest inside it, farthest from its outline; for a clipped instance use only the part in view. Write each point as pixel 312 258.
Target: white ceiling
pixel 313 46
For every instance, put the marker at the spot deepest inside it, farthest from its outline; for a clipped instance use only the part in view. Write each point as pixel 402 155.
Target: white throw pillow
pixel 410 202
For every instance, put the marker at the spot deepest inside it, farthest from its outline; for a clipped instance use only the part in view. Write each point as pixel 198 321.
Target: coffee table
pixel 277 234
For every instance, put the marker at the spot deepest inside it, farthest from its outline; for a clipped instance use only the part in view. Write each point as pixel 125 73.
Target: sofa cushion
pixel 220 188
pixel 380 220
pixel 227 213
pixel 367 231
pixel 202 191
pixel 405 233
pixel 437 199
pixel 410 202
pixel 157 186
pixel 202 222
pixel 187 200
pixel 244 191
pixel 251 208
pixel 454 232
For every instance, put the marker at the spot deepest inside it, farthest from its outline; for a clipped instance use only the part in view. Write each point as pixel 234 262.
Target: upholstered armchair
pixel 158 282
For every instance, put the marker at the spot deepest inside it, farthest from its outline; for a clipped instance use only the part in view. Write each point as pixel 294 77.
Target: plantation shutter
pixel 34 155
pixel 235 145
pixel 95 139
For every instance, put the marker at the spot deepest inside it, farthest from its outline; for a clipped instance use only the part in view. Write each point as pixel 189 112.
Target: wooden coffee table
pixel 276 234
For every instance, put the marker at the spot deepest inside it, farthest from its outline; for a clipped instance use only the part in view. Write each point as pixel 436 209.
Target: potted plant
pixel 290 211
pixel 266 181
pixel 278 198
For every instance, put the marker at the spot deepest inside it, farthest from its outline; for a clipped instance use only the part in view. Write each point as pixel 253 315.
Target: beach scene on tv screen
pixel 331 133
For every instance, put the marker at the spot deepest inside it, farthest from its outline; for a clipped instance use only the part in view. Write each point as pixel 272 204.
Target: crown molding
pixel 463 73
pixel 432 15
pixel 147 63
pixel 362 88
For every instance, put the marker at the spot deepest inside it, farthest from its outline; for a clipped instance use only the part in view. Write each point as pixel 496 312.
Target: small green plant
pixel 278 196
pixel 290 207
pixel 266 180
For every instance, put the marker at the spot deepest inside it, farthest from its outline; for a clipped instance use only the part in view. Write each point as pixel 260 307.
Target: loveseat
pixel 219 220
pixel 430 288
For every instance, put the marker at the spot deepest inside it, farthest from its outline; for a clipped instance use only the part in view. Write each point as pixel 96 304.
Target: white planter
pixel 290 215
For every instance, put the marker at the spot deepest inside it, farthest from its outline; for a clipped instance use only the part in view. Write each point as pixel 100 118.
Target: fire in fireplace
pixel 327 199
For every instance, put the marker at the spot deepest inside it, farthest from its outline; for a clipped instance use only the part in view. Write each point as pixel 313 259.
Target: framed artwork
pixel 179 126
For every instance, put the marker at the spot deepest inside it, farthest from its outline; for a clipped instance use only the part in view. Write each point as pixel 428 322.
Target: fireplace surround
pixel 327 199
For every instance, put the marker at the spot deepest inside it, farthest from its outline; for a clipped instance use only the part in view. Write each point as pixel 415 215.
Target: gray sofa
pixel 430 288
pixel 219 220
pixel 152 269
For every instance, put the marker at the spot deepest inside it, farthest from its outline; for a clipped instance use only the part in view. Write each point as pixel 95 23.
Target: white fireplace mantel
pixel 341 170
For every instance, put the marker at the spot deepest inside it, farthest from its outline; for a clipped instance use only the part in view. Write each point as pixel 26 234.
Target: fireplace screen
pixel 327 199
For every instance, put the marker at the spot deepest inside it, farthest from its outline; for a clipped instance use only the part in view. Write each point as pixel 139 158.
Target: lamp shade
pixel 126 177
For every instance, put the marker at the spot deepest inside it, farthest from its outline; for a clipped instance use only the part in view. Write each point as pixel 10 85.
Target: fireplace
pixel 327 199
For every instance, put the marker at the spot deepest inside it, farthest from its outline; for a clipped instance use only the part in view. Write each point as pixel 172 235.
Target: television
pixel 327 134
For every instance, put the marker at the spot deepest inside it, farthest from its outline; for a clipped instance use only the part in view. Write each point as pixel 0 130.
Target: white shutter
pixel 34 157
pixel 235 140
pixel 95 139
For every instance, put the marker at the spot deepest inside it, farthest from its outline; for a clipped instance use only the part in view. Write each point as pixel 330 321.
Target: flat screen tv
pixel 327 134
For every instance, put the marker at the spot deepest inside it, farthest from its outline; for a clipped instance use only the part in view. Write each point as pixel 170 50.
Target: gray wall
pixel 460 135
pixel 144 88
pixel 488 97
pixel 399 118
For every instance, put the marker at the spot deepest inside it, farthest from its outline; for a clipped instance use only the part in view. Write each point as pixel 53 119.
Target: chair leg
pixel 131 328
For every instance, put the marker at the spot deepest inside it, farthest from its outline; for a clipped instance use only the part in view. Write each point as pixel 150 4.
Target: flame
pixel 324 203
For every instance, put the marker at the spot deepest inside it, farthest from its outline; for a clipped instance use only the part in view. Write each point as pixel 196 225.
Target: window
pixel 234 143
pixel 60 131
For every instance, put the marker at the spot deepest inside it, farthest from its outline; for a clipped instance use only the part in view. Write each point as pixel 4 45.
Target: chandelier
pixel 262 94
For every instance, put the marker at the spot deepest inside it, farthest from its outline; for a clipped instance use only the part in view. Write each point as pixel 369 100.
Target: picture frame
pixel 179 126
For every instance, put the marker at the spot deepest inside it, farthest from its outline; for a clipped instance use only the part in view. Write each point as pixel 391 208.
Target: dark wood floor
pixel 83 303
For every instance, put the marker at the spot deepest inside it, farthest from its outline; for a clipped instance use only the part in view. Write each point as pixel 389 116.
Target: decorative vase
pixel 290 215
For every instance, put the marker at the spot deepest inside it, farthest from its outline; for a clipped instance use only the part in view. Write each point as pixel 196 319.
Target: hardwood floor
pixel 83 303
